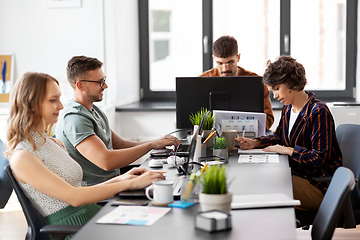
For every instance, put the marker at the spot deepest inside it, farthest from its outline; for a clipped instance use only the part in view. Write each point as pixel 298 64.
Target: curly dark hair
pixel 80 65
pixel 225 46
pixel 287 70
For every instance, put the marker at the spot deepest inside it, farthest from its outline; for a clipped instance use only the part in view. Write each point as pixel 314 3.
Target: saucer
pixel 160 204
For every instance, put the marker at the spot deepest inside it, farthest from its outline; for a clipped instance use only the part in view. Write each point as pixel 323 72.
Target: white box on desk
pixel 213 221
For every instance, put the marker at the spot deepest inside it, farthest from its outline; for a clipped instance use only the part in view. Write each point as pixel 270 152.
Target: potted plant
pixel 220 148
pixel 214 193
pixel 195 119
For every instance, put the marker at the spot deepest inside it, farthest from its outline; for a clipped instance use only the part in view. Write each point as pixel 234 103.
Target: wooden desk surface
pixel 266 223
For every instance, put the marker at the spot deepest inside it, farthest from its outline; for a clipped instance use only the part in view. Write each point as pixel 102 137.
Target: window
pixel 258 40
pixel 321 34
pixel 173 45
pixel 329 32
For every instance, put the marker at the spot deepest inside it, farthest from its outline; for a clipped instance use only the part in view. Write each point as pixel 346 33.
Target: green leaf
pixel 213 180
pixel 220 143
pixel 195 118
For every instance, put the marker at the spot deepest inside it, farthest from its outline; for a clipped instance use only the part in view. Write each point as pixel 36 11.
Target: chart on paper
pixel 134 215
pixel 258 158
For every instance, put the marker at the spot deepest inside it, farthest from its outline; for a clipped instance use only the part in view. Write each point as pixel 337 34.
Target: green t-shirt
pixel 77 123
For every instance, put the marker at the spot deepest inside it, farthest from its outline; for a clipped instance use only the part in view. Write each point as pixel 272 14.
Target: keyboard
pixel 184 148
pixel 183 151
pixel 140 193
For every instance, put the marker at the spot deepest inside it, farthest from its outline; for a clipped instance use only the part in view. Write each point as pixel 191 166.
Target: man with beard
pixel 226 56
pixel 85 129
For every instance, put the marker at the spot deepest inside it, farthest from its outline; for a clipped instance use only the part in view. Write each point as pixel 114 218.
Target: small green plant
pixel 195 119
pixel 213 180
pixel 219 143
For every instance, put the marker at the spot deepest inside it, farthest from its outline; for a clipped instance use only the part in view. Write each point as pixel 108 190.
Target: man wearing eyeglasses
pixel 85 129
pixel 226 56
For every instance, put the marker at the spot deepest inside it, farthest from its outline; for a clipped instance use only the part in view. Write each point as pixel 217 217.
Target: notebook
pixel 262 201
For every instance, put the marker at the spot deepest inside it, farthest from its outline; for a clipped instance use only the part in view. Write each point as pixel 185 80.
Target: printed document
pixel 257 155
pixel 134 215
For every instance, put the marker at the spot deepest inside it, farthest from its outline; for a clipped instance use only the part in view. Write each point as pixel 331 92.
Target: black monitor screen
pixel 241 93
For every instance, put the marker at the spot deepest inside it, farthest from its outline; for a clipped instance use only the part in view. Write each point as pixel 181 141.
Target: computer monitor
pixel 240 93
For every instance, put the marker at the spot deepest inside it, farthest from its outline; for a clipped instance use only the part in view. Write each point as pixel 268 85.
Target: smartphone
pixel 125 202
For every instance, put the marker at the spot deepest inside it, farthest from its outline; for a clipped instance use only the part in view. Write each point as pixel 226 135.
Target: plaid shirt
pixel 316 150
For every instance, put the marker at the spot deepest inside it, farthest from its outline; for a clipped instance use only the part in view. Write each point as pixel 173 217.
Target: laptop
pixel 183 149
pixel 184 170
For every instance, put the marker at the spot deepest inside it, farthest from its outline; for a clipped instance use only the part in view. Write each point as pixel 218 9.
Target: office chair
pixel 5 185
pixel 37 226
pixel 348 136
pixel 334 201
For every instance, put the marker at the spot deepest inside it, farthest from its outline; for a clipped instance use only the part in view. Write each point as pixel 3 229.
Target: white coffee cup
pixel 162 192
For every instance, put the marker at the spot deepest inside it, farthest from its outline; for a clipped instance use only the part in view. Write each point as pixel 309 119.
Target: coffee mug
pixel 229 136
pixel 162 192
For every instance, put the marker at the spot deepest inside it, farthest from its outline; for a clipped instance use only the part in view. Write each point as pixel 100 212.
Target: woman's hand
pixel 146 179
pixel 131 174
pixel 247 143
pixel 279 149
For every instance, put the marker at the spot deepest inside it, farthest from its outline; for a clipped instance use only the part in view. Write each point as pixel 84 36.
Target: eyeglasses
pixel 228 64
pixel 101 82
pixel 231 61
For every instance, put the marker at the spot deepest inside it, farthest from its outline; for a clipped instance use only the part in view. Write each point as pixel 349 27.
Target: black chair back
pixel 348 136
pixel 5 185
pixel 332 205
pixel 34 219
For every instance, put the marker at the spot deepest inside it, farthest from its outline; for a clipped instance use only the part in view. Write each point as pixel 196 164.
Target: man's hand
pixel 247 143
pixel 167 140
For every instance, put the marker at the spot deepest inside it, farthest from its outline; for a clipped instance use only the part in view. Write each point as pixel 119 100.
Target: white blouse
pixel 56 159
pixel 293 117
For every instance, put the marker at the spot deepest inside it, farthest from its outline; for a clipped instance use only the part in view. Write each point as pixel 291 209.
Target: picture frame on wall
pixel 63 3
pixel 6 76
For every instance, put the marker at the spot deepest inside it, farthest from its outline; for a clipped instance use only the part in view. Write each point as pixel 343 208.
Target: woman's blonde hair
pixel 25 109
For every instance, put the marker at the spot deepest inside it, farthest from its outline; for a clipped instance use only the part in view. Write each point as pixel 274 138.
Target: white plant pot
pixel 222 153
pixel 221 202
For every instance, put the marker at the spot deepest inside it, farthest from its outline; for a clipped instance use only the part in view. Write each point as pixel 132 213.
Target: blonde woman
pixel 50 178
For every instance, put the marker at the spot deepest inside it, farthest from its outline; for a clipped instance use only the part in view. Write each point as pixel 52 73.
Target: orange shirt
pixel 267 103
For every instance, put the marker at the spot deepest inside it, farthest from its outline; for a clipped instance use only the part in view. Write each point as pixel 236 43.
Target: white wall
pixel 44 39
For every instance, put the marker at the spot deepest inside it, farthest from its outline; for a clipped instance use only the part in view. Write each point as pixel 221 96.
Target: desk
pixel 267 223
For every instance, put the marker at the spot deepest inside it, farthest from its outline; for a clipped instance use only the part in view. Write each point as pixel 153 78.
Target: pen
pixel 189 186
pixel 210 135
pixel 4 77
pixel 243 133
pixel 203 169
